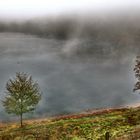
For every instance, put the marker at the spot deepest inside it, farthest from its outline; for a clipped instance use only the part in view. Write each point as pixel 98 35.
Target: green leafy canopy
pixel 22 95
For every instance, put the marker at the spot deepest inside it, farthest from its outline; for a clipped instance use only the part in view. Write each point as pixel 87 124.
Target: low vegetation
pixel 122 123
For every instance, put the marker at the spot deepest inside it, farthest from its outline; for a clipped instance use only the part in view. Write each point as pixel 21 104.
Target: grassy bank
pixel 123 123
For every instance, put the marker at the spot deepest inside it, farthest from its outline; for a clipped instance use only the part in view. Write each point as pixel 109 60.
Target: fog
pixel 79 62
pixel 25 9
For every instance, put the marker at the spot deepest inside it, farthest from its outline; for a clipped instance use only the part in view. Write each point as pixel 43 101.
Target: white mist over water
pixel 70 82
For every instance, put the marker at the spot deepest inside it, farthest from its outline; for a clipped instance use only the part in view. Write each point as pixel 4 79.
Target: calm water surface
pixel 74 75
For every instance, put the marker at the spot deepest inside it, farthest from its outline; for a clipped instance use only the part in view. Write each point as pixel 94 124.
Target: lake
pixel 74 74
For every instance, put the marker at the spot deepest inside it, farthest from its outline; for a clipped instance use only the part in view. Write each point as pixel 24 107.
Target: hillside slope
pixel 120 123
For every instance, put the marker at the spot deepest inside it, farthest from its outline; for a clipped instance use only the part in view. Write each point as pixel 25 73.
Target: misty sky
pixel 34 8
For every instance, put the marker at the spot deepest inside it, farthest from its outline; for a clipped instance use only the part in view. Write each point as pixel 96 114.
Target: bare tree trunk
pixel 21 113
pixel 21 125
pixel 107 136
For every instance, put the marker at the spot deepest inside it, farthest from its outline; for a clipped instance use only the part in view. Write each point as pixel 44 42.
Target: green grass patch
pixel 118 123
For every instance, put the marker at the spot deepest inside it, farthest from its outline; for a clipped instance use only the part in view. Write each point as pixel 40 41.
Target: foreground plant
pixel 22 95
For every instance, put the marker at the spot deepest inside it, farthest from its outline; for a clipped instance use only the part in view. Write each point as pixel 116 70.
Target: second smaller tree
pixel 22 95
pixel 137 74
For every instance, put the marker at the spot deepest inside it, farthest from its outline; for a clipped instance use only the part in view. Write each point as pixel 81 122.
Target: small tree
pixel 22 95
pixel 137 73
